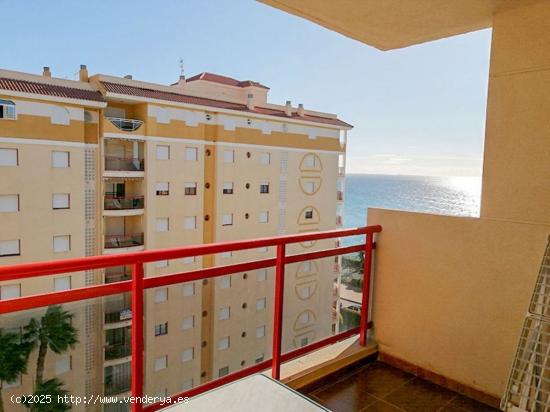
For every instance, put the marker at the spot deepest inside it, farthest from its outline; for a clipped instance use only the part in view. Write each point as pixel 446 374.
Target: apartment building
pixel 108 165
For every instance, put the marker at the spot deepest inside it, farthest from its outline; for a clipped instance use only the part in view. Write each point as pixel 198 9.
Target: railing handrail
pixel 138 284
pixel 124 157
pixel 124 235
pixel 123 197
pixel 44 268
pixel 124 119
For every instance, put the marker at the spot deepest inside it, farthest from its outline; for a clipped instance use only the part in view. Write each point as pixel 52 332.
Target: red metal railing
pixel 138 284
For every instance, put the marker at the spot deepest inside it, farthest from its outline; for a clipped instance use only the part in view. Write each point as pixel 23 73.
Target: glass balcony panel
pixel 126 125
pixel 123 241
pixel 66 326
pixel 131 164
pixel 112 202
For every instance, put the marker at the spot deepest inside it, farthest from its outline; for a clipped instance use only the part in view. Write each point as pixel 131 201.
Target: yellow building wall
pixel 516 173
pixel 450 293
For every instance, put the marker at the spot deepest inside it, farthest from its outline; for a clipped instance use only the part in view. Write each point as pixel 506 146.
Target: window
pixel 264 217
pixel 62 364
pixel 264 187
pixel 60 159
pixel 305 292
pixel 61 201
pixel 309 187
pixel 161 363
pixel 63 283
pixel 223 371
pixel 263 249
pixel 261 275
pixel 304 341
pixel 88 117
pixel 260 304
pixel 10 248
pixel 161 264
pixel 10 291
pixel 228 156
pixel 62 243
pixel 188 322
pixel 306 266
pixel 260 331
pixel 162 188
pixel 162 224
pixel 187 384
pixel 190 222
pixel 223 343
pixel 189 259
pixel 310 161
pixel 7 110
pixel 224 313
pixel 309 214
pixel 188 289
pixel 225 282
pixel 305 317
pixel 9 203
pixel 161 295
pixel 9 157
pixel 227 188
pixel 226 255
pixel 161 329
pixel 163 152
pixel 227 219
pixel 190 189
pixel 188 355
pixel 265 158
pixel 60 115
pixel 191 154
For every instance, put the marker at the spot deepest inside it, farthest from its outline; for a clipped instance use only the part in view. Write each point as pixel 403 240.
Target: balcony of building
pixel 118 379
pixel 345 370
pixel 123 158
pixel 118 274
pixel 123 234
pixel 117 309
pixel 124 120
pixel 118 346
pixel 123 197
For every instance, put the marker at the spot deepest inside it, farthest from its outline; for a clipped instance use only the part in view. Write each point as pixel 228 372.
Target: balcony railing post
pixel 278 312
pixel 365 300
pixel 137 335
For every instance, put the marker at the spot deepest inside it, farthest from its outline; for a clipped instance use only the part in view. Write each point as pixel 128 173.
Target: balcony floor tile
pixel 383 388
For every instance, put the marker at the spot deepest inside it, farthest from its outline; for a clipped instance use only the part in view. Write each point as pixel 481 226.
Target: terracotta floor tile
pixel 464 404
pixel 381 406
pixel 420 396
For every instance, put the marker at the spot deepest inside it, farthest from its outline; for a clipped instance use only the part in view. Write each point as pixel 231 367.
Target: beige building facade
pixel 108 165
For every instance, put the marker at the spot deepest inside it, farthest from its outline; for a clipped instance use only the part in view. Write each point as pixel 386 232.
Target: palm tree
pixel 14 355
pixel 54 389
pixel 355 265
pixel 53 331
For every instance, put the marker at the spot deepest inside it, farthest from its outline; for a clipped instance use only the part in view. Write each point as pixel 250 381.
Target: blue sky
pixel 418 110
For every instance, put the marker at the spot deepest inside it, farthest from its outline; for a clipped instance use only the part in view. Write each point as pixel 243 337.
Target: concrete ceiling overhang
pixel 392 24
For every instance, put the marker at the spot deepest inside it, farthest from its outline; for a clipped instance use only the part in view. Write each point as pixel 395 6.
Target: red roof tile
pixel 181 98
pixel 217 78
pixel 45 89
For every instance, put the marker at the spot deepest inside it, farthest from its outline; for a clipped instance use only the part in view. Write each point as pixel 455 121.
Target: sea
pixel 456 196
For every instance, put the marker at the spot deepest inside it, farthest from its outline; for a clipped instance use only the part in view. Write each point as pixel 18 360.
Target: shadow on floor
pixel 378 387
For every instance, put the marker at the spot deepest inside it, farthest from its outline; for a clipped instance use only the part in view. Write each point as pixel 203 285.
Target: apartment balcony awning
pixel 392 24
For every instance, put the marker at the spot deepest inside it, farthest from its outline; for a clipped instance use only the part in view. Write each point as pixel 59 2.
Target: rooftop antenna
pixel 182 76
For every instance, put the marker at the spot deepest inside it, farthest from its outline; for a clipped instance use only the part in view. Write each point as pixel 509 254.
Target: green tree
pixel 53 331
pixel 354 264
pixel 52 392
pixel 14 355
